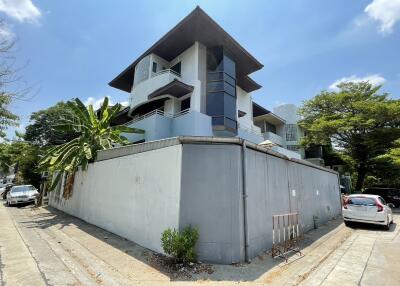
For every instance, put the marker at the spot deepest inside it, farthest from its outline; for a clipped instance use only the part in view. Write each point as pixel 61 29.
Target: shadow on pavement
pixel 240 272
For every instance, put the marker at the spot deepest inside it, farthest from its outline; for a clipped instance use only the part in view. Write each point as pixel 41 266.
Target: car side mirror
pixel 390 205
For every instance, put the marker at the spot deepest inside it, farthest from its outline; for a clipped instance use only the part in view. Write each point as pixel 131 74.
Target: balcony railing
pixel 158 112
pixel 275 138
pixel 166 71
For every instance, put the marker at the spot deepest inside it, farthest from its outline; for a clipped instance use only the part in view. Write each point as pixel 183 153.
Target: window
pixel 291 132
pixel 360 201
pixel 221 90
pixel 294 148
pixel 270 127
pixel 142 70
pixel 177 68
pixel 185 104
pixel 154 67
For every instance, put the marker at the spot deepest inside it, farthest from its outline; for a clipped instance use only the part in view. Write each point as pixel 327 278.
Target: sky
pixel 68 49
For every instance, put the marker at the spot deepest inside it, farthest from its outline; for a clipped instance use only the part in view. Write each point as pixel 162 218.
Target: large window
pixel 142 70
pixel 291 132
pixel 221 90
pixel 270 127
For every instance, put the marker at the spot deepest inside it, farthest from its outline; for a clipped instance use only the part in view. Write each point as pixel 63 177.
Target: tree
pixel 95 133
pixel 7 78
pixel 359 121
pixel 24 158
pixel 385 169
pixel 41 129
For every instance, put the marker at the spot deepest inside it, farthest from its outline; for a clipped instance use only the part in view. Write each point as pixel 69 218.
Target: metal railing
pixel 273 137
pixel 166 71
pixel 285 234
pixel 180 113
pixel 158 112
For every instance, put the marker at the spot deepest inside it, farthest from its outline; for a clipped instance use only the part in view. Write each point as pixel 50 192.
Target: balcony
pixel 159 125
pixel 274 138
pixel 140 93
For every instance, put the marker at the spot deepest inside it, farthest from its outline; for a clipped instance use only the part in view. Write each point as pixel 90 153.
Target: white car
pixel 22 194
pixel 367 209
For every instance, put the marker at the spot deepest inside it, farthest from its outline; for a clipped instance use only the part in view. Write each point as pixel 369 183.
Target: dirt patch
pixel 177 271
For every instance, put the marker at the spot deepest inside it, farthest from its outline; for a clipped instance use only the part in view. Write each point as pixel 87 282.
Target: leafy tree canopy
pixel 41 129
pixel 356 119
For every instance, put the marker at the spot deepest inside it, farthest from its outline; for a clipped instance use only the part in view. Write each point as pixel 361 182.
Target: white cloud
pixel 386 12
pixel 374 79
pixel 96 102
pixel 21 10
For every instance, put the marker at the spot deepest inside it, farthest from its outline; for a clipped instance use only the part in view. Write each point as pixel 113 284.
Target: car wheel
pixel 347 223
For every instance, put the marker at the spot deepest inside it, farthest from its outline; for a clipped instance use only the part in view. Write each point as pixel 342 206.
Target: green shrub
pixel 180 245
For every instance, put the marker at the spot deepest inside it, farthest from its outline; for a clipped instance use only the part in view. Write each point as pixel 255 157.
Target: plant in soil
pixel 180 245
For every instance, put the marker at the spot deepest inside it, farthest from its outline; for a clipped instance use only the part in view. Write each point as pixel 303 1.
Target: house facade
pixel 195 81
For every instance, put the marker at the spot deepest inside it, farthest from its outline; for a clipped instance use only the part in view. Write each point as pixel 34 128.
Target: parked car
pixel 4 191
pixel 22 194
pixel 390 195
pixel 367 209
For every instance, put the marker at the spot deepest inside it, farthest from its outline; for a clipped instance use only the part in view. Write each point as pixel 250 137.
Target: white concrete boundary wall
pixel 139 191
pixel 135 196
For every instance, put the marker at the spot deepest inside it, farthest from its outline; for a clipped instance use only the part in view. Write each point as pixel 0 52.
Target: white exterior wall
pixel 135 196
pixel 244 103
pixel 190 73
pixel 160 63
pixel 287 112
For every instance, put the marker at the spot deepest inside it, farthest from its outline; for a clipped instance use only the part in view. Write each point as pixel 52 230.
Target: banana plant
pixel 96 133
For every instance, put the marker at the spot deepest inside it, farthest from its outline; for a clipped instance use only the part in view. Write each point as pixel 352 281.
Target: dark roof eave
pixel 125 79
pixel 179 87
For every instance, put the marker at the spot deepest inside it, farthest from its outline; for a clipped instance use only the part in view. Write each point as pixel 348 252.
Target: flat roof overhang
pixel 197 26
pixel 271 118
pixel 261 113
pixel 259 110
pixel 175 88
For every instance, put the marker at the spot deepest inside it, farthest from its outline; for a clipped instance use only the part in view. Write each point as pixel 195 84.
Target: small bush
pixel 180 245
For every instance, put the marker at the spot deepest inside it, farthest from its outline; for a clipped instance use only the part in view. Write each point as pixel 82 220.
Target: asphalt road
pixel 47 247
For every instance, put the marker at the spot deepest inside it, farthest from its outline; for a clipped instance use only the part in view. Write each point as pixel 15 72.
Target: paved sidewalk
pixel 47 247
pixel 371 256
pixel 15 255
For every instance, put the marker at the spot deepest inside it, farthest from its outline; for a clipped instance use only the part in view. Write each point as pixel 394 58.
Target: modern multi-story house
pixel 195 81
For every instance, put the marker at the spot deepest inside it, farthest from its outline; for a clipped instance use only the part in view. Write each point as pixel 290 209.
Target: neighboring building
pixel 294 133
pixel 271 125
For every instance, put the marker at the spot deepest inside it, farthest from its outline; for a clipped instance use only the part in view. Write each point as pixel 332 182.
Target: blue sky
pixel 74 48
